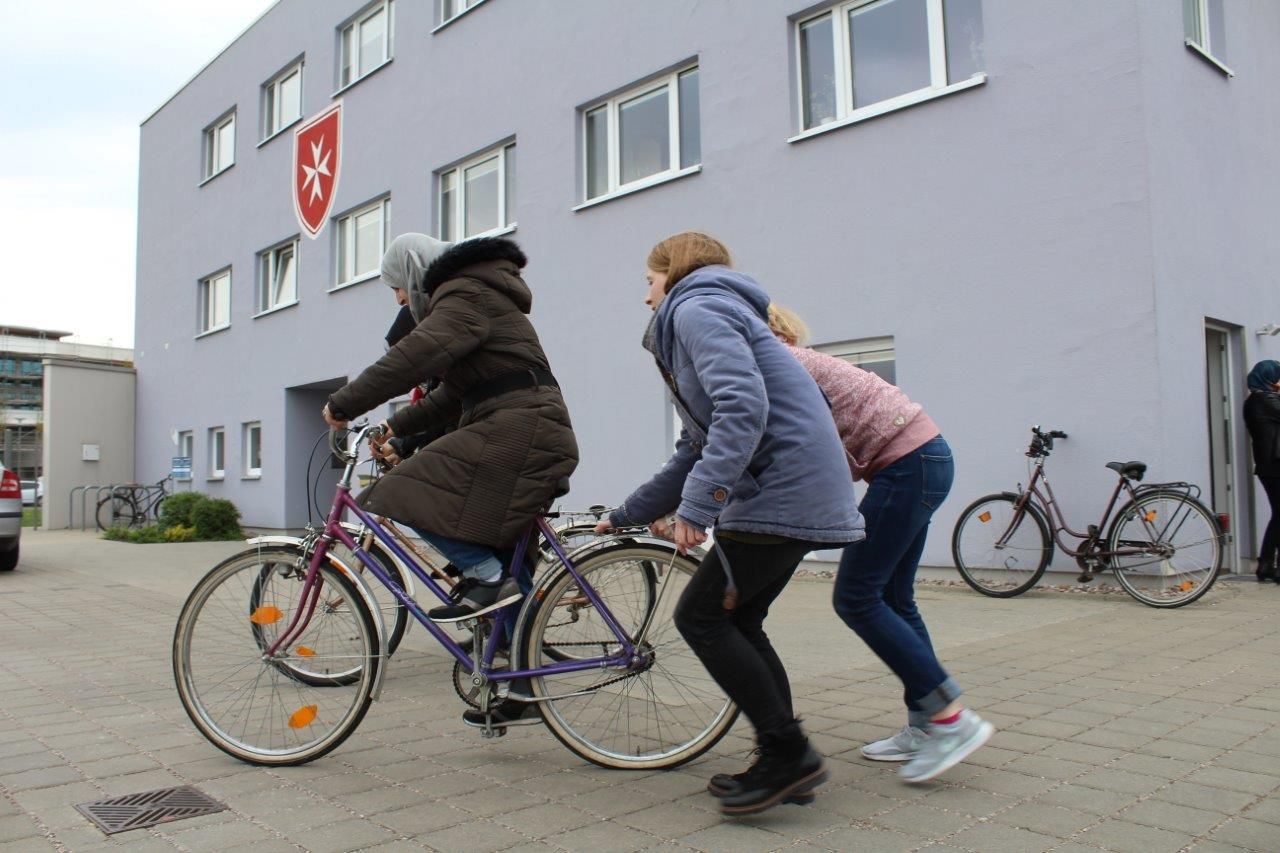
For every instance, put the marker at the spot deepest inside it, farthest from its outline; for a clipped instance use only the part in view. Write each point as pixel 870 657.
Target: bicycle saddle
pixel 1131 470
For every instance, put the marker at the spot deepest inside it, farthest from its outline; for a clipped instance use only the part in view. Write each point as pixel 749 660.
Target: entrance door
pixel 1220 407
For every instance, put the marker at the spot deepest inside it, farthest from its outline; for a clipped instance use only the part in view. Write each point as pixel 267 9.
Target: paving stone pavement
pixel 1121 728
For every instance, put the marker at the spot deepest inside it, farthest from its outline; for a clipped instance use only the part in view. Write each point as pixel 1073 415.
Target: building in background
pixel 22 354
pixel 1052 213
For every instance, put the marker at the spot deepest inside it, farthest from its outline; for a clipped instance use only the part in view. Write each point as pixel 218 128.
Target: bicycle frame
pixel 626 657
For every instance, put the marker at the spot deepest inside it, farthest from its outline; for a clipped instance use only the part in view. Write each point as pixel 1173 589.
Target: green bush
pixel 116 534
pixel 176 509
pixel 215 518
pixel 179 533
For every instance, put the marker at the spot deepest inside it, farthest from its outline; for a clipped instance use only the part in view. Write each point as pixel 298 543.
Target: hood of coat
pixel 713 282
pixel 496 261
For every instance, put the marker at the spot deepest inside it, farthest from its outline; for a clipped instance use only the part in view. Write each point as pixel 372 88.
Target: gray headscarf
pixel 404 264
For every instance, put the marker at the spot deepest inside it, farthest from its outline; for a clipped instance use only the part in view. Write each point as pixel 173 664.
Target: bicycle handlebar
pixel 1042 442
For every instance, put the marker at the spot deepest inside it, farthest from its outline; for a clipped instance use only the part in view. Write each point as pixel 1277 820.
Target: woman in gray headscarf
pixel 476 489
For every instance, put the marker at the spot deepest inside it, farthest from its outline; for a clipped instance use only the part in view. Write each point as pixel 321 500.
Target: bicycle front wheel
pixel 998 550
pixel 658 716
pixel 117 511
pixel 254 706
pixel 1172 549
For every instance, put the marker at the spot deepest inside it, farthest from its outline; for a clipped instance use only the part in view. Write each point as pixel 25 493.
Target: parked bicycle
pixel 1163 544
pixel 279 651
pixel 132 505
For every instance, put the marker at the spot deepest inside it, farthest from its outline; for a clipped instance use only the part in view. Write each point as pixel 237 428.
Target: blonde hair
pixel 787 325
pixel 682 253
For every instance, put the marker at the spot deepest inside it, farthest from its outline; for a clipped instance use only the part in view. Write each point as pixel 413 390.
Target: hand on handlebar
pixel 334 423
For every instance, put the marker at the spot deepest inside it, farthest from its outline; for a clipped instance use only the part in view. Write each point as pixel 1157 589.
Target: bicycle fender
pixel 362 587
pixel 1038 511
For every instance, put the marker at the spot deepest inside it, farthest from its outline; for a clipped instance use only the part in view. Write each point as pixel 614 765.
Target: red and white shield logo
pixel 317 154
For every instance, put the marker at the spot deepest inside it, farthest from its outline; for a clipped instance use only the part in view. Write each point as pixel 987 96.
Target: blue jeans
pixel 474 561
pixel 875 585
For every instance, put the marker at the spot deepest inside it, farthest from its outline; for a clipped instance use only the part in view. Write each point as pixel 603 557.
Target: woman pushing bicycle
pixel 474 490
pixel 891 443
pixel 759 461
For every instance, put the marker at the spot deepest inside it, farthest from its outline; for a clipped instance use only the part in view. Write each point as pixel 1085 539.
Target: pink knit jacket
pixel 878 425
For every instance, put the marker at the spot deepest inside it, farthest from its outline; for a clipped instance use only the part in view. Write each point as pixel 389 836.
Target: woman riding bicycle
pixel 474 490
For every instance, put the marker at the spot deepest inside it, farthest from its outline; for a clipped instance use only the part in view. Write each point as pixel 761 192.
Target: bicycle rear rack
pixel 1189 490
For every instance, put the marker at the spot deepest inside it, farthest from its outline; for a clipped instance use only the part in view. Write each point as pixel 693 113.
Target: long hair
pixel 787 325
pixel 681 254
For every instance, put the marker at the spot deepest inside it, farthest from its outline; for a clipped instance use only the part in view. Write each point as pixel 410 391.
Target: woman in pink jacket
pixel 892 444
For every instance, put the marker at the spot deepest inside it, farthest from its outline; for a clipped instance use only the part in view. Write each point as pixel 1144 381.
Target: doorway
pixel 309 473
pixel 1221 347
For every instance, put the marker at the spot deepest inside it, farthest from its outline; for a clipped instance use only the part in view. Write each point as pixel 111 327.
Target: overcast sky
pixel 79 78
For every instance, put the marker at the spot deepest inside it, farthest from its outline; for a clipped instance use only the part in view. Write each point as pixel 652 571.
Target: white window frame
pixel 272 122
pixel 248 433
pixel 212 147
pixel 1201 41
pixel 204 326
pixel 463 7
pixel 346 242
pixel 670 82
pixel 187 445
pixel 349 40
pixel 268 269
pixel 217 441
pixel 845 113
pixel 459 204
pixel 863 351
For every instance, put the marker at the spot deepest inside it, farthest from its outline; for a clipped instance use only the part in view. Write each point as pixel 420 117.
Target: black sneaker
pixel 507 713
pixel 788 767
pixel 724 784
pixel 469 600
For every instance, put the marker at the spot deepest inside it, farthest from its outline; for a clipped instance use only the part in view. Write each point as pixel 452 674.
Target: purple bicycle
pixel 280 650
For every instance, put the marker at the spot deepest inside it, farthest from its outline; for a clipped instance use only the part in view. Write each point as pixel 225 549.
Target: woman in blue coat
pixel 758 460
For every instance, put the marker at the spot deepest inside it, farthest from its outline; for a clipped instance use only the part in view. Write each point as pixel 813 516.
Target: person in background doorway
pixel 759 461
pixel 1262 420
pixel 892 444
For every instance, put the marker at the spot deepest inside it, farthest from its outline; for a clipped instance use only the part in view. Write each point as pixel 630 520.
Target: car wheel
pixel 8 559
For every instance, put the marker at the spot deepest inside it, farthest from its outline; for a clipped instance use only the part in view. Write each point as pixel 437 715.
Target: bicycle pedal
pixel 491 732
pixel 1085 577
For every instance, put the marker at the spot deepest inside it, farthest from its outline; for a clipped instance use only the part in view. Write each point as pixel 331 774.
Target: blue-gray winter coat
pixel 759 451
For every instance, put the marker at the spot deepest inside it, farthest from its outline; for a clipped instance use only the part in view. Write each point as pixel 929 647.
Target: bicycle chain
pixel 457 670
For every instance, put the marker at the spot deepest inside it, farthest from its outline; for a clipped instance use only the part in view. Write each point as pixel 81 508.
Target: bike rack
pixel 71 504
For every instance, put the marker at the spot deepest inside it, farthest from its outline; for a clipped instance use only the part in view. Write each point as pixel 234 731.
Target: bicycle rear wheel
pixel 256 708
pixel 117 510
pixel 997 551
pixel 395 616
pixel 660 716
pixel 1178 546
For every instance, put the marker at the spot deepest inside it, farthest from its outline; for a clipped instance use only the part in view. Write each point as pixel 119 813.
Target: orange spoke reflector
pixel 1151 515
pixel 984 517
pixel 1186 586
pixel 266 615
pixel 303 717
pixel 305 652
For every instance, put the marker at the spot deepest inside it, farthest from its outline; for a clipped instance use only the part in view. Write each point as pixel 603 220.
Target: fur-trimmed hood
pixel 496 261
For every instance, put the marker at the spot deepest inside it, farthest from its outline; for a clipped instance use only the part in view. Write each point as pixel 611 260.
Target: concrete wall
pixel 85 404
pixel 1003 236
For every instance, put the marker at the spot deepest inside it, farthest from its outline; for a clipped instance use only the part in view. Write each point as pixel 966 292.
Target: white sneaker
pixel 902 746
pixel 944 747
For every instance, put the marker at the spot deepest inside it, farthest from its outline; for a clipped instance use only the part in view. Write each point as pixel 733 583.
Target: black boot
pixel 723 784
pixel 788 766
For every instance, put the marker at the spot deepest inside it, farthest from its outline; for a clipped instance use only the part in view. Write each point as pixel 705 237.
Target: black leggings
pixel 732 644
pixel 1271 537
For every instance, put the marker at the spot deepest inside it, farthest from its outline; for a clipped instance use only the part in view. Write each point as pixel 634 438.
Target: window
pixel 362 238
pixel 278 277
pixel 875 355
pixel 1206 26
pixel 859 58
pixel 646 133
pixel 220 145
pixel 365 43
pixel 252 444
pixel 217 453
pixel 186 445
pixel 215 302
pixel 282 101
pixel 450 9
pixel 478 196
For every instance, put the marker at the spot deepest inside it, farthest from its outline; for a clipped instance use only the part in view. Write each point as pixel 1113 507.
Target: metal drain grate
pixel 138 811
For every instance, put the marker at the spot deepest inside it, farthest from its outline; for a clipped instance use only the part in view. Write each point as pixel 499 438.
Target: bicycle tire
pixel 705 714
pixel 248 671
pixel 154 510
pixel 121 512
pixel 978 562
pixel 395 616
pixel 1199 552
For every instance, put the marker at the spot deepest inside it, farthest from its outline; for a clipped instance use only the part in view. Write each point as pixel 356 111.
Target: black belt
pixel 516 380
